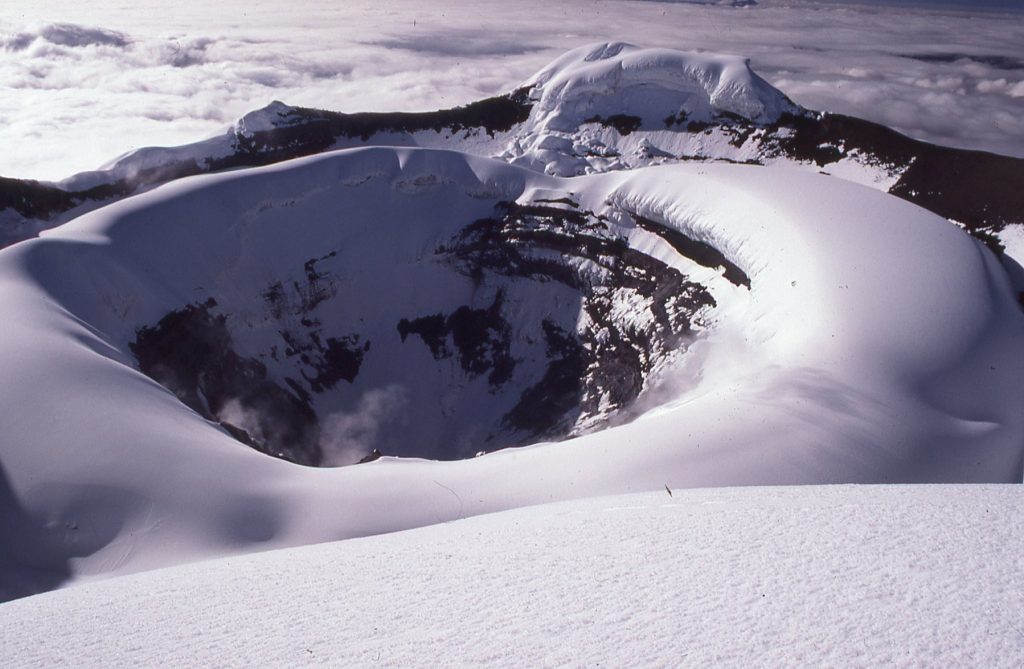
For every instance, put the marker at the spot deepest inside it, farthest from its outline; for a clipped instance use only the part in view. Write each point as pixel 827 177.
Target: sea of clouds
pixel 85 82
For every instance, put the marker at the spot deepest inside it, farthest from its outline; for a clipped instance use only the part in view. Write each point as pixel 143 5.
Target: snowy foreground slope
pixel 813 576
pixel 853 337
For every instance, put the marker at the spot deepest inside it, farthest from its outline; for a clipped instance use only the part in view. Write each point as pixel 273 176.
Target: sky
pixel 82 83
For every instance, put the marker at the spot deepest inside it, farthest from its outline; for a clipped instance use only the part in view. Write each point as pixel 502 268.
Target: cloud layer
pixel 85 83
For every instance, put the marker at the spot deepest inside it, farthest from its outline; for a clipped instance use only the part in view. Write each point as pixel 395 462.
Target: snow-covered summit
pixel 275 115
pixel 616 78
pixel 614 105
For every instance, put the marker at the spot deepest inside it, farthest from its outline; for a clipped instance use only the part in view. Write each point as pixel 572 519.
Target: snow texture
pixel 808 576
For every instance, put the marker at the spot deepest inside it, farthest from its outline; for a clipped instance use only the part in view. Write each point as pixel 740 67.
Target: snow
pixel 877 343
pixel 274 115
pixel 856 167
pixel 784 576
pixel 619 78
pixel 1012 239
pixel 601 81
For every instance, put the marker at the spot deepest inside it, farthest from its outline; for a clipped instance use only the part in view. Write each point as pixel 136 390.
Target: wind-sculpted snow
pixel 870 341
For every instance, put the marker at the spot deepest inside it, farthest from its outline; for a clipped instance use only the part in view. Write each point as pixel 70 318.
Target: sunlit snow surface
pixel 812 576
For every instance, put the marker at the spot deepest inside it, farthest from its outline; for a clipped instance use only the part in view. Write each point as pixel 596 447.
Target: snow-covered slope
pixel 835 576
pixel 850 337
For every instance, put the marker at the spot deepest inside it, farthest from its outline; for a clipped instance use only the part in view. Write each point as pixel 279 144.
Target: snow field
pixel 842 576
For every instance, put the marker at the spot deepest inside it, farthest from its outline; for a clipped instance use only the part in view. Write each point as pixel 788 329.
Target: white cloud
pixel 345 438
pixel 84 82
pixel 1003 86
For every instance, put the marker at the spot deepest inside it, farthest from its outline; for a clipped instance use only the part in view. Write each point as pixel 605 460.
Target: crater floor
pixel 536 322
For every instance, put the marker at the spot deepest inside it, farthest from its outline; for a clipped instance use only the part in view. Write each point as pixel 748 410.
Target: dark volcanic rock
pixel 703 254
pixel 433 330
pixel 624 123
pixel 375 454
pixel 325 360
pixel 35 200
pixel 552 404
pixel 480 337
pixel 307 131
pixel 341 361
pixel 601 367
pixel 983 191
pixel 191 353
